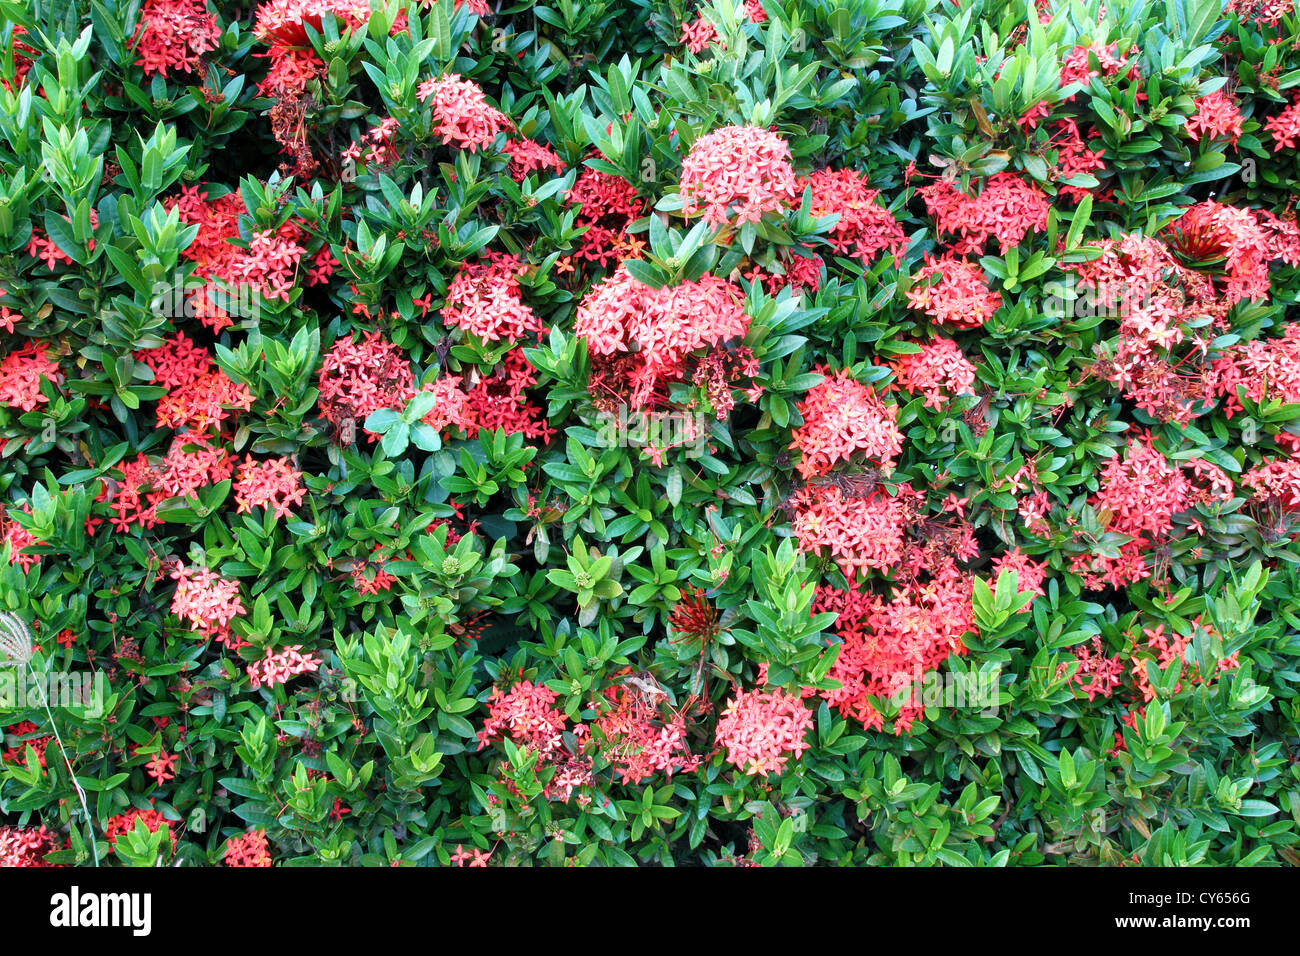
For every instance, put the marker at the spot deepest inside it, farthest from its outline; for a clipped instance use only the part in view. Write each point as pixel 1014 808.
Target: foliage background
pixel 386 728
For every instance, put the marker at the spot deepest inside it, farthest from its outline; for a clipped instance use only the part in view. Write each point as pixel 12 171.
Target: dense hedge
pixel 643 431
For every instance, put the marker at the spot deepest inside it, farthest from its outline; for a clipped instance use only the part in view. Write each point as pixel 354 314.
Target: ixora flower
pixel 1008 208
pixel 174 35
pixel 484 299
pixel 1217 117
pixel 206 600
pixel 737 173
pixel 21 374
pixel 887 644
pixel 843 417
pixel 660 328
pixel 762 729
pixel 865 229
pixel 248 849
pixel 960 297
pixel 462 116
pixel 277 667
pixel 938 371
pixel 272 484
pixel 27 846
pixel 859 532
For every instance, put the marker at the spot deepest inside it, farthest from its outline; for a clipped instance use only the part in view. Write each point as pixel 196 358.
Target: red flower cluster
pixel 762 729
pixel 1285 127
pixel 700 33
pixel 1030 574
pixel 1007 208
pixel 888 645
pixel 125 823
pixel 1099 673
pixel 1212 231
pixel 462 116
pixel 485 299
pixel 1276 481
pixel 174 34
pixel 607 205
pixel 273 483
pixel 18 752
pixel 498 401
pixel 961 296
pixel 248 849
pixel 660 327
pixel 527 157
pixel 1073 158
pixel 526 715
pixel 1217 117
pixel 635 737
pixel 18 538
pixel 1077 65
pixel 203 402
pixel 939 371
pixel 271 264
pixel 21 374
pixel 865 228
pixel 737 173
pixel 841 417
pixel 277 667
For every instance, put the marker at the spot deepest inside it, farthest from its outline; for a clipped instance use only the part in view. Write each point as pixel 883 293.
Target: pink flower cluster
pixel 1030 574
pixel 1007 208
pixel 26 846
pixel 841 417
pixel 526 714
pixel 1277 480
pixel 762 729
pixel 860 532
pixel 737 173
pixel 248 849
pixel 21 374
pixel 357 378
pixel 865 228
pixel 485 299
pixel 273 483
pixel 462 116
pixel 939 371
pixel 1285 127
pixel 206 600
pixel 277 667
pixel 660 327
pixel 527 157
pixel 961 297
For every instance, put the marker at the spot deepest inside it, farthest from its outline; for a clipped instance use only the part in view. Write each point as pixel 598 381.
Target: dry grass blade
pixel 15 640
